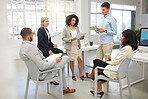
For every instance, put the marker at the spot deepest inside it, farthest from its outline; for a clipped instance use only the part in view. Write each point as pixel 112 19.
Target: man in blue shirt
pixel 107 29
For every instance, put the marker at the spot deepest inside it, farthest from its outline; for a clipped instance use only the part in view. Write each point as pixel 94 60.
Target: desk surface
pixel 87 48
pixel 141 57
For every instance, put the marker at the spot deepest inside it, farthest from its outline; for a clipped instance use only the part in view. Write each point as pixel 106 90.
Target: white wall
pixel 7 89
pixel 143 4
pixel 138 14
pixel 142 13
pixel 147 6
pixel 85 19
pixel 82 10
pixel 145 20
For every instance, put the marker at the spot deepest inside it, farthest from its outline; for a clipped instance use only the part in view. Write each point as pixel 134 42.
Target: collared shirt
pixel 26 42
pixel 108 23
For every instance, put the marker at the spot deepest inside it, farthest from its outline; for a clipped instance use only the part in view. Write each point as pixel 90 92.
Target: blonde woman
pixel 44 41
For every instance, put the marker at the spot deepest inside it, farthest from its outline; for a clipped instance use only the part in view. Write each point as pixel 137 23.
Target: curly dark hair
pixel 69 18
pixel 130 39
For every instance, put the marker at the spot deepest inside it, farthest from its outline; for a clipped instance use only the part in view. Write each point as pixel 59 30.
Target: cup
pixel 91 43
pixel 140 50
pixel 86 44
pixel 107 57
pixel 55 45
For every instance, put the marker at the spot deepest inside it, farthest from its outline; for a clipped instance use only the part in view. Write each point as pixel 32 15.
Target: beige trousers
pixel 103 49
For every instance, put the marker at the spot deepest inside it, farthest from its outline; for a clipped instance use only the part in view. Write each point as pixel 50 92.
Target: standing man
pixel 107 29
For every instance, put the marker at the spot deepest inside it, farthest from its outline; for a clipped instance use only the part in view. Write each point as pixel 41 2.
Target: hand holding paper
pixel 94 28
pixel 53 57
pixel 72 39
pixel 101 30
pixel 79 35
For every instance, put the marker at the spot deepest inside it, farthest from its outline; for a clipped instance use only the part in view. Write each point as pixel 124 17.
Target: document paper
pixel 79 35
pixel 52 57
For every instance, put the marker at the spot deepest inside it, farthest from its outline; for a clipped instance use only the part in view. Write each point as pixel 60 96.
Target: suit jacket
pixel 30 53
pixel 125 52
pixel 45 44
pixel 66 37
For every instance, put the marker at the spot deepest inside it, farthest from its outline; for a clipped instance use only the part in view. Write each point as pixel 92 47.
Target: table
pixel 141 57
pixel 85 49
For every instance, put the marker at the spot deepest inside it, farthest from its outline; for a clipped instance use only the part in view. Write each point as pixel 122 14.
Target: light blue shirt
pixel 108 23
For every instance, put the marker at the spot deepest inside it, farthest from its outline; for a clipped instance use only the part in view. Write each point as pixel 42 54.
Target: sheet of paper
pixel 95 28
pixel 52 57
pixel 79 35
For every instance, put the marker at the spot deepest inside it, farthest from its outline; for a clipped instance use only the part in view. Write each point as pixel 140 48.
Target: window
pixel 95 15
pixel 122 13
pixel 30 4
pixel 30 19
pixel 119 19
pixel 40 4
pixel 28 13
pixel 39 16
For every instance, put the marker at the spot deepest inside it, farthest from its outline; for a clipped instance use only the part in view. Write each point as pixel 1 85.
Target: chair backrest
pixel 123 67
pixel 32 69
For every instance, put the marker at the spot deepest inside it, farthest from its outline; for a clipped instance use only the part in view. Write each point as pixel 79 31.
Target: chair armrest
pixel 54 69
pixel 105 69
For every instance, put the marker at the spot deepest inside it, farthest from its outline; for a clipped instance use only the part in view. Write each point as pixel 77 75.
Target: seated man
pixel 29 52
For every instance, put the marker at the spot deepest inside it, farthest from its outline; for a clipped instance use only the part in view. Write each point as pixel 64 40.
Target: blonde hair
pixel 42 20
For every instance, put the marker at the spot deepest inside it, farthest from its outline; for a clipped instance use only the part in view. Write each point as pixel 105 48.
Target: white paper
pixel 95 28
pixel 52 57
pixel 79 35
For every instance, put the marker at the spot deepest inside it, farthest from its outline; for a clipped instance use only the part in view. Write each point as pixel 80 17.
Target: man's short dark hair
pixel 69 18
pixel 25 32
pixel 105 4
